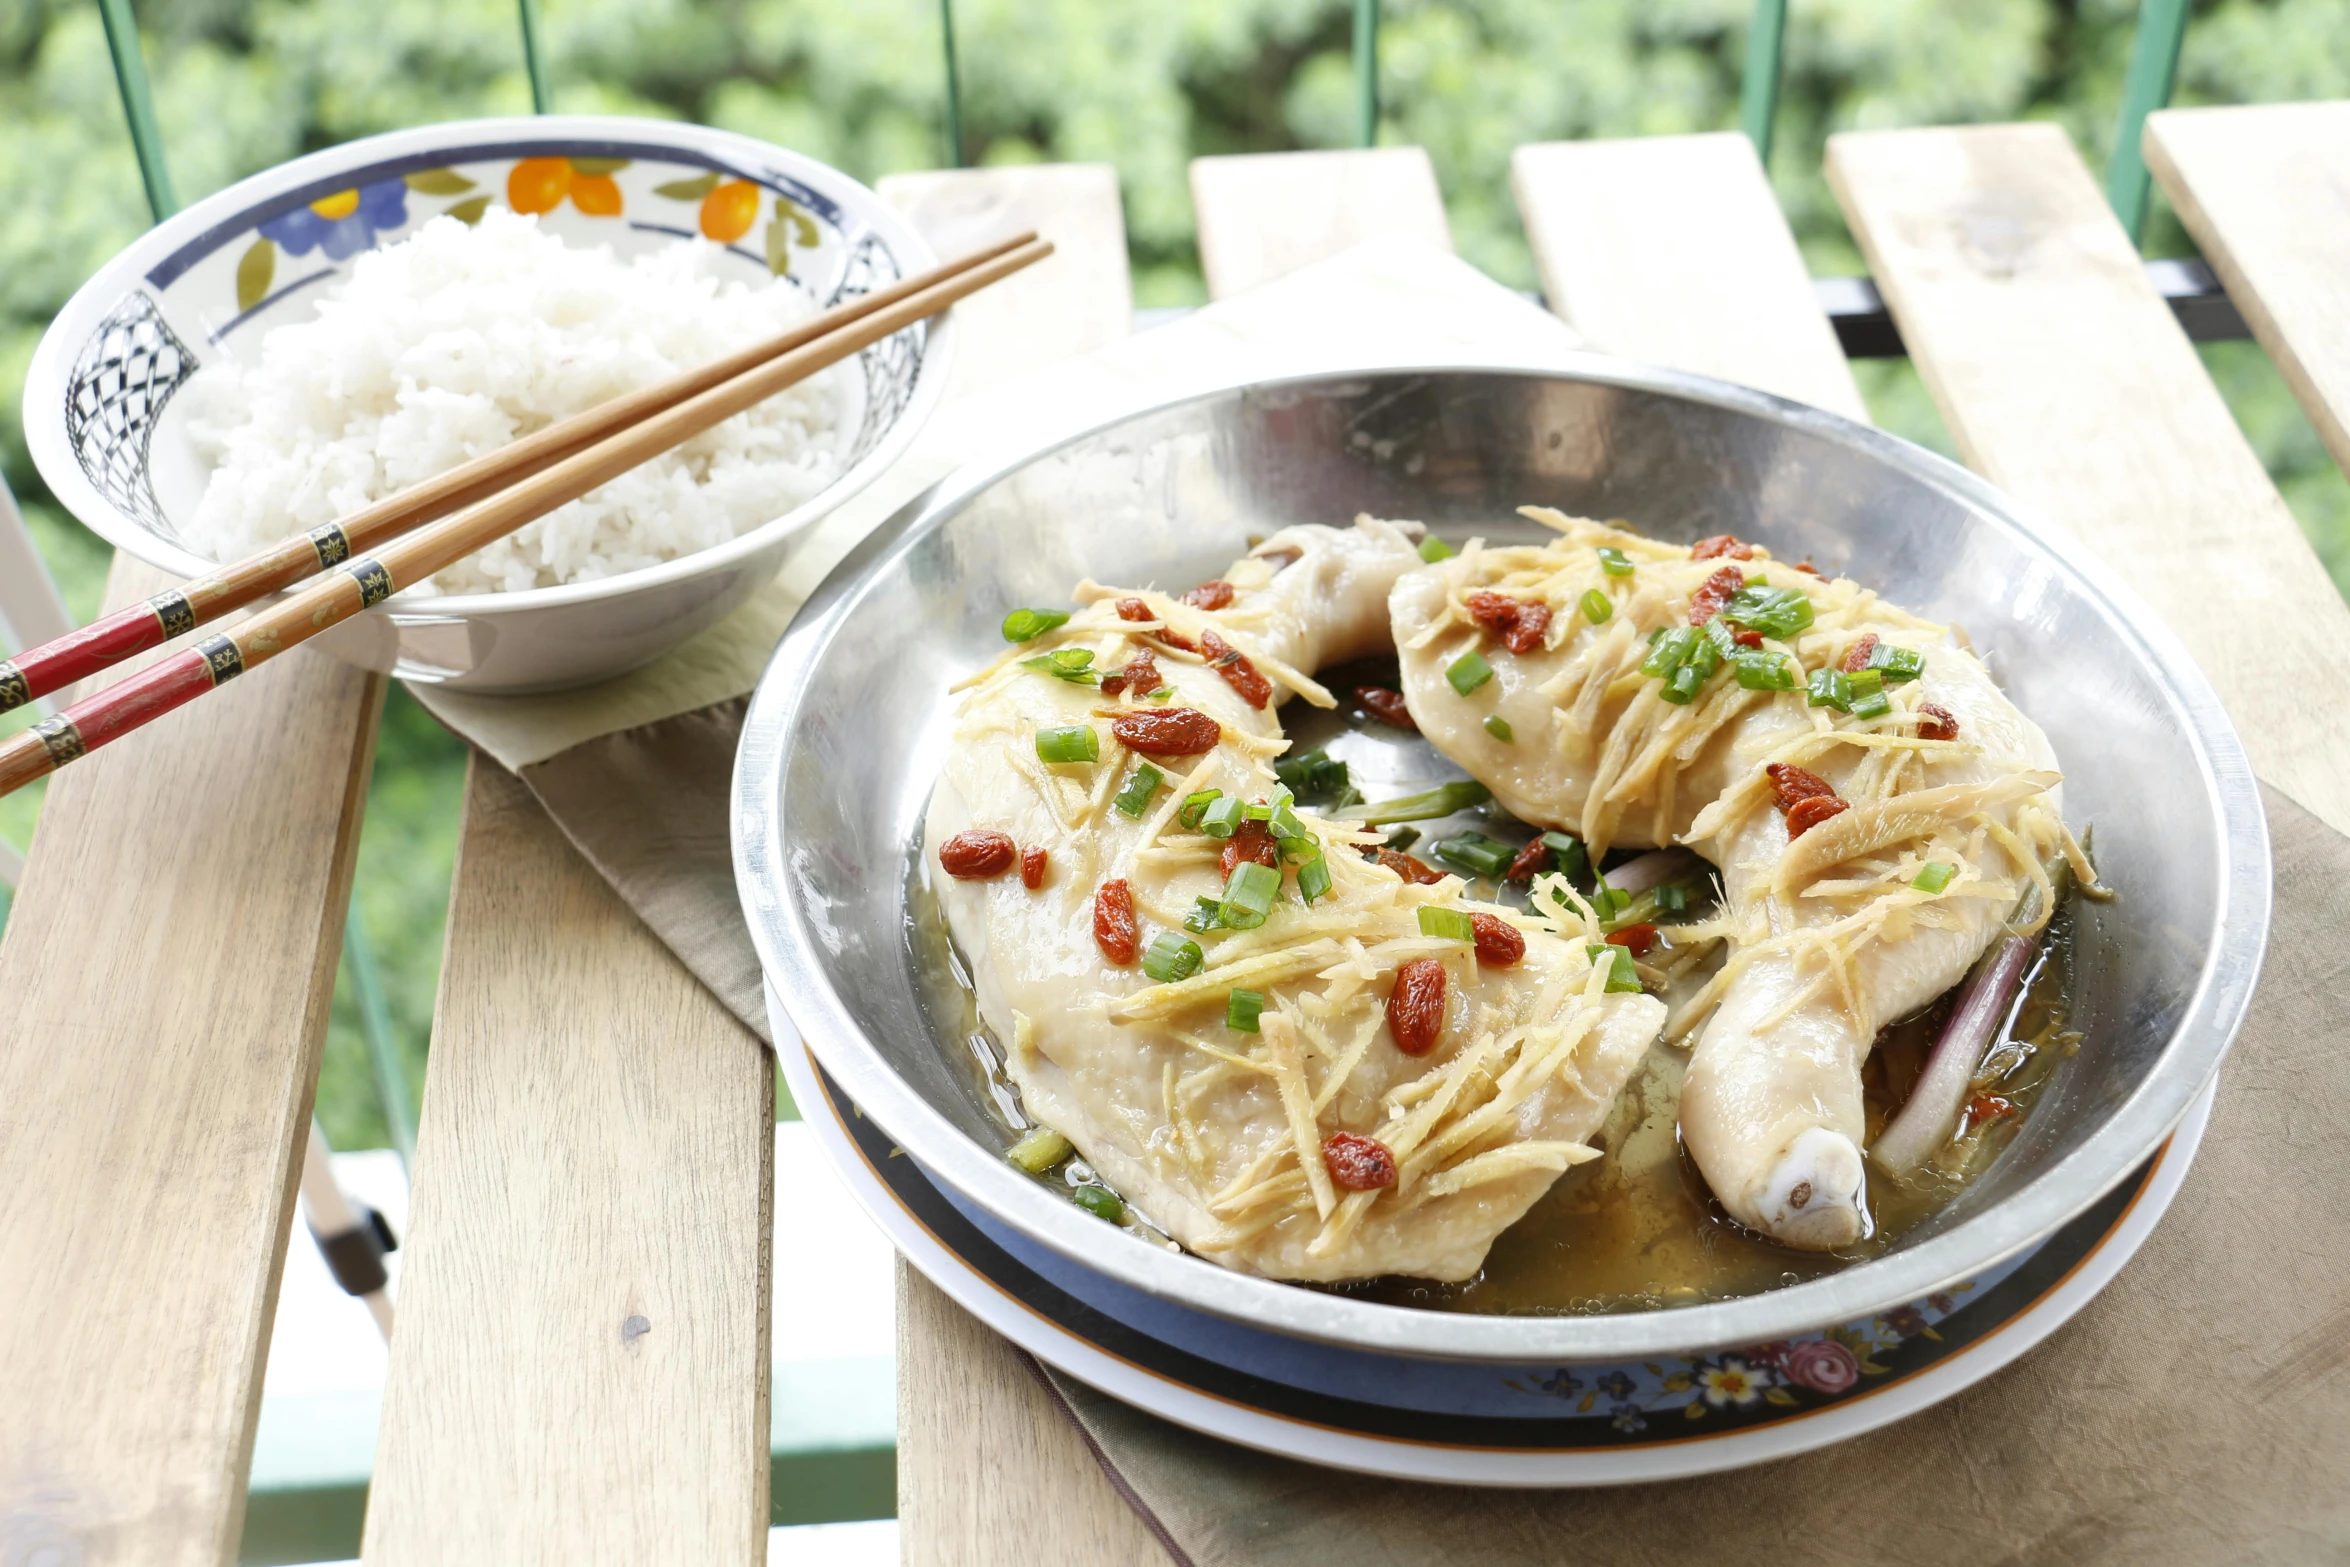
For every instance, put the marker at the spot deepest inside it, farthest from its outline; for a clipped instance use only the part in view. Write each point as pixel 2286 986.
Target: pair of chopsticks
pixel 435 524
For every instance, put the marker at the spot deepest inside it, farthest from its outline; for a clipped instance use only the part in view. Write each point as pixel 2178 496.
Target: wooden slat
pixel 2064 378
pixel 987 1471
pixel 2266 193
pixel 163 990
pixel 1025 1488
pixel 1077 300
pixel 580 1372
pixel 1673 249
pixel 1263 215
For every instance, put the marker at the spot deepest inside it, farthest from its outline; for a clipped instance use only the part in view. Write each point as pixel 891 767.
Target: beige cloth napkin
pixel 635 769
pixel 2197 1411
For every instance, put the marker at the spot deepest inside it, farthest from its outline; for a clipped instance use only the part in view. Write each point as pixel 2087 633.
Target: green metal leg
pixel 138 105
pixel 1758 92
pixel 534 60
pixel 2154 72
pixel 375 1026
pixel 954 126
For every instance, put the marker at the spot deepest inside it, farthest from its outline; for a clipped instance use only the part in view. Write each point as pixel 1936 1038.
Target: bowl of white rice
pixel 347 325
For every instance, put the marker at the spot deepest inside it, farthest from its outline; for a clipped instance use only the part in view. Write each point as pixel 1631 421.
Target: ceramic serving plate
pixel 112 444
pixel 845 736
pixel 1541 1424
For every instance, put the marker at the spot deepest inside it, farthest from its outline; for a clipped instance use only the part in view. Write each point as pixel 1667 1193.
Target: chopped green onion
pixel 1468 672
pixel 1442 800
pixel 1720 638
pixel 1077 743
pixel 1612 901
pixel 1401 839
pixel 1256 811
pixel 1672 898
pixel 1139 789
pixel 1172 957
pixel 1934 877
pixel 1829 688
pixel 1499 727
pixel 1434 549
pixel 1161 694
pixel 1205 915
pixel 1285 822
pixel 1569 855
pixel 1670 649
pixel 1597 607
pixel 1249 895
pixel 1475 853
pixel 1897 664
pixel 1040 1150
pixel 1195 806
pixel 1868 694
pixel 1026 625
pixel 1313 775
pixel 1681 689
pixel 1073 664
pixel 1223 816
pixel 1313 878
pixel 1099 1201
pixel 1614 561
pixel 1451 924
pixel 1241 1009
pixel 1764 671
pixel 1705 658
pixel 1778 613
pixel 1622 977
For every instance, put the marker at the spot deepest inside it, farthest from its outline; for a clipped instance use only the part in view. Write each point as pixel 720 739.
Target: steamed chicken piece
pixel 1832 933
pixel 1357 1132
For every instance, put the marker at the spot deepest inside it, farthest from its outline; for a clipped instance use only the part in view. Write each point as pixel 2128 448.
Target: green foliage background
pixel 242 84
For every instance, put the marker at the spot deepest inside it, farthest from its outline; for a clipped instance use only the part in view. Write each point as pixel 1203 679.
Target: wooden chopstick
pixel 401 562
pixel 107 641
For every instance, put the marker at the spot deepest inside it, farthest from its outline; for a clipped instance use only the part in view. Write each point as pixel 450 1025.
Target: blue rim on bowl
pixel 215 276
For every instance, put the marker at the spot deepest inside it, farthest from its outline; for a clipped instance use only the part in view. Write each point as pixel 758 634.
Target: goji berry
pixel 1936 722
pixel 1386 706
pixel 1718 590
pixel 1135 609
pixel 1796 783
pixel 1167 731
pixel 1114 928
pixel 1417 872
pixel 1719 545
pixel 976 853
pixel 1237 671
pixel 1856 657
pixel 1498 941
pixel 1253 842
pixel 1359 1164
pixel 1140 676
pixel 1747 638
pixel 1811 810
pixel 1635 939
pixel 1415 1007
pixel 1032 868
pixel 1210 595
pixel 1526 633
pixel 1531 862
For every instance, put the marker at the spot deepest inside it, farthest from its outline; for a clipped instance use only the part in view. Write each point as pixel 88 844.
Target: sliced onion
pixel 1927 1120
pixel 1637 876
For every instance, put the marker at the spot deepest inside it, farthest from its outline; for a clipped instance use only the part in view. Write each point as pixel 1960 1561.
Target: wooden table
pixel 580 1371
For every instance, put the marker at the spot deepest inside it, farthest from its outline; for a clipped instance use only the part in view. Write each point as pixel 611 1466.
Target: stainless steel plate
pixel 847 730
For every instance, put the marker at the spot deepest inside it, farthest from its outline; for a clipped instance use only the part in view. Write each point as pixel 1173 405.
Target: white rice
pixel 455 341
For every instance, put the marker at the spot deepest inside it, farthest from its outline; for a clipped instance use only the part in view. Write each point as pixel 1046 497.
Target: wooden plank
pixel 580 1371
pixel 1673 249
pixel 1077 300
pixel 1263 215
pixel 2064 378
pixel 1027 1488
pixel 163 990
pixel 2266 193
